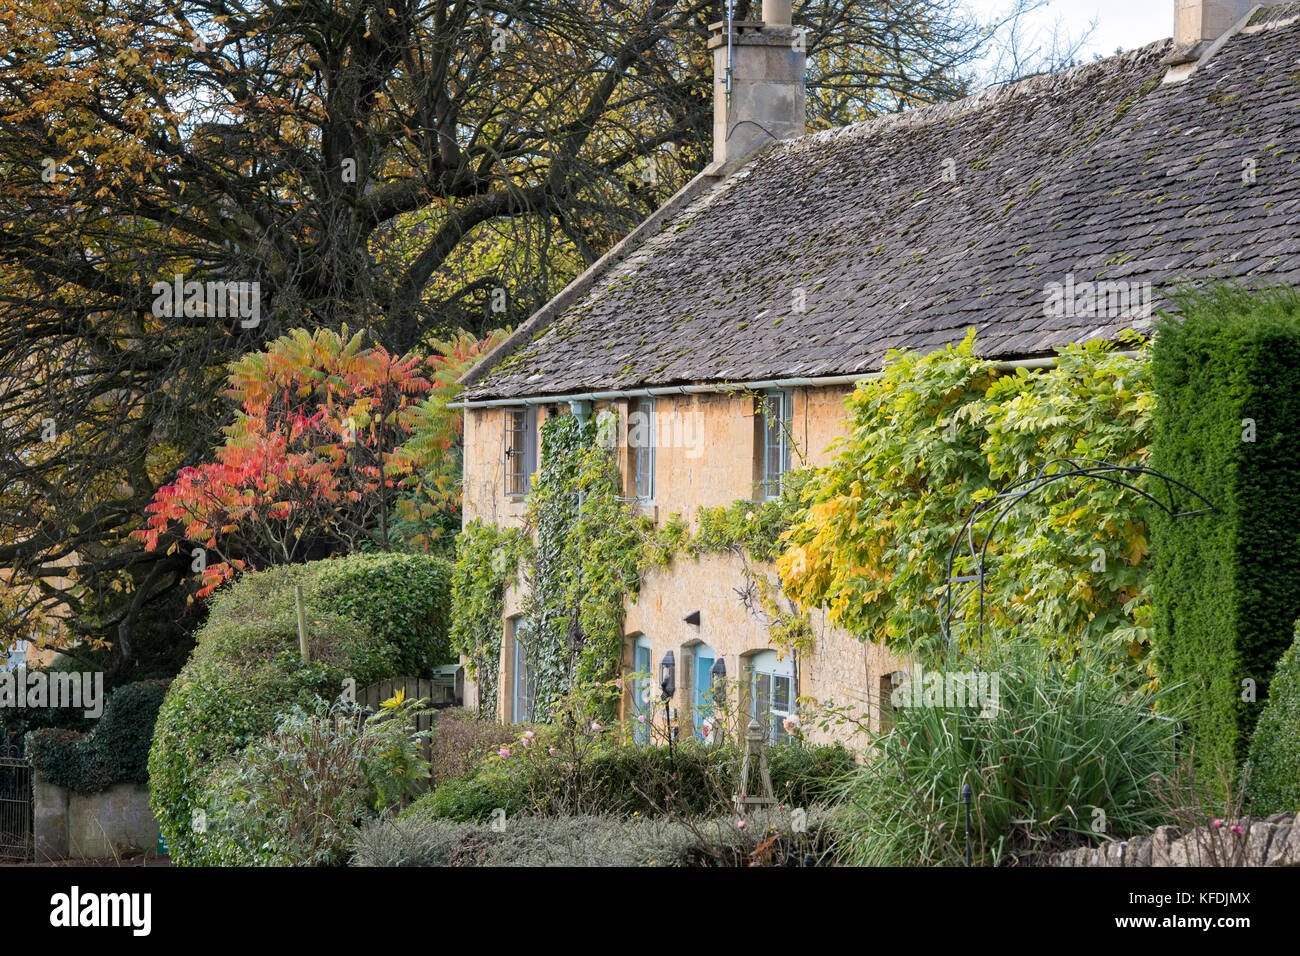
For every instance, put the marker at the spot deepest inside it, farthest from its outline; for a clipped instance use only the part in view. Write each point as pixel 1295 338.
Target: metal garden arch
pixel 1002 503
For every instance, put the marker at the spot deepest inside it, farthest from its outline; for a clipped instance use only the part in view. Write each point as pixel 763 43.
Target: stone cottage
pixel 1062 208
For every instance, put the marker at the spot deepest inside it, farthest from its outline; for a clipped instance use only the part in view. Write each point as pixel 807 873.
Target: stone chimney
pixel 761 98
pixel 1201 27
pixel 1198 23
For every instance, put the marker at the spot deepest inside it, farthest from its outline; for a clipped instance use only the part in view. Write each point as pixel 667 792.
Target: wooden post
pixel 755 779
pixel 303 647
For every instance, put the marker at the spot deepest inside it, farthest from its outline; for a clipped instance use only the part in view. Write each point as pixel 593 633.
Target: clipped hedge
pixel 1274 779
pixel 1227 585
pixel 370 617
pixel 629 779
pixel 116 751
pixel 403 599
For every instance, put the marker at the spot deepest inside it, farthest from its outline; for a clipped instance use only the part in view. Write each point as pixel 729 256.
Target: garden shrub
pixel 475 796
pixel 1227 585
pixel 461 741
pixel 625 779
pixel 587 840
pixel 246 670
pixel 116 751
pixel 296 796
pixel 293 797
pixel 1273 781
pixel 1068 747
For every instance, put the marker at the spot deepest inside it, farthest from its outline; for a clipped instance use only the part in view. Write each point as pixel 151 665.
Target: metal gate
pixel 15 804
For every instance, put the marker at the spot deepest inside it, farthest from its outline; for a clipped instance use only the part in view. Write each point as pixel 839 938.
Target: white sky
pixel 1126 24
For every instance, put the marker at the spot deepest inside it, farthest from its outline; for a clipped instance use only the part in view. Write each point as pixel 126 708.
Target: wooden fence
pixel 373 696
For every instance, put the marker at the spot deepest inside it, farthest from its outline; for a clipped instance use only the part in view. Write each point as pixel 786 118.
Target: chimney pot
pixel 776 13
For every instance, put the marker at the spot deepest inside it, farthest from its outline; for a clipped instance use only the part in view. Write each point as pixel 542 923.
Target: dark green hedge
pixel 620 780
pixel 116 751
pixel 1227 586
pixel 1274 779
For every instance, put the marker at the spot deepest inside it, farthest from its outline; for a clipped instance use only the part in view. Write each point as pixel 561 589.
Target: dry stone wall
pixel 1274 841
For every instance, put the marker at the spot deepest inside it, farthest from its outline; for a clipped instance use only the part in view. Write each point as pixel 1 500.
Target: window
pixel 521 449
pixel 771 697
pixel 643 695
pixel 773 442
pixel 641 439
pixel 523 681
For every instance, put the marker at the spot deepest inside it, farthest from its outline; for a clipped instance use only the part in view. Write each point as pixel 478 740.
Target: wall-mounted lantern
pixel 693 619
pixel 668 675
pixel 718 680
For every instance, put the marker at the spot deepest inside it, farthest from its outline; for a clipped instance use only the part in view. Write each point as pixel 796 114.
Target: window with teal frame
pixel 771 693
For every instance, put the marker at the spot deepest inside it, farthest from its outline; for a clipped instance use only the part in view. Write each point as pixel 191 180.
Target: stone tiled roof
pixel 1100 172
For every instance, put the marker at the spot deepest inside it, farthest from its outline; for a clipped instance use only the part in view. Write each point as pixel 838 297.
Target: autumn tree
pixel 311 465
